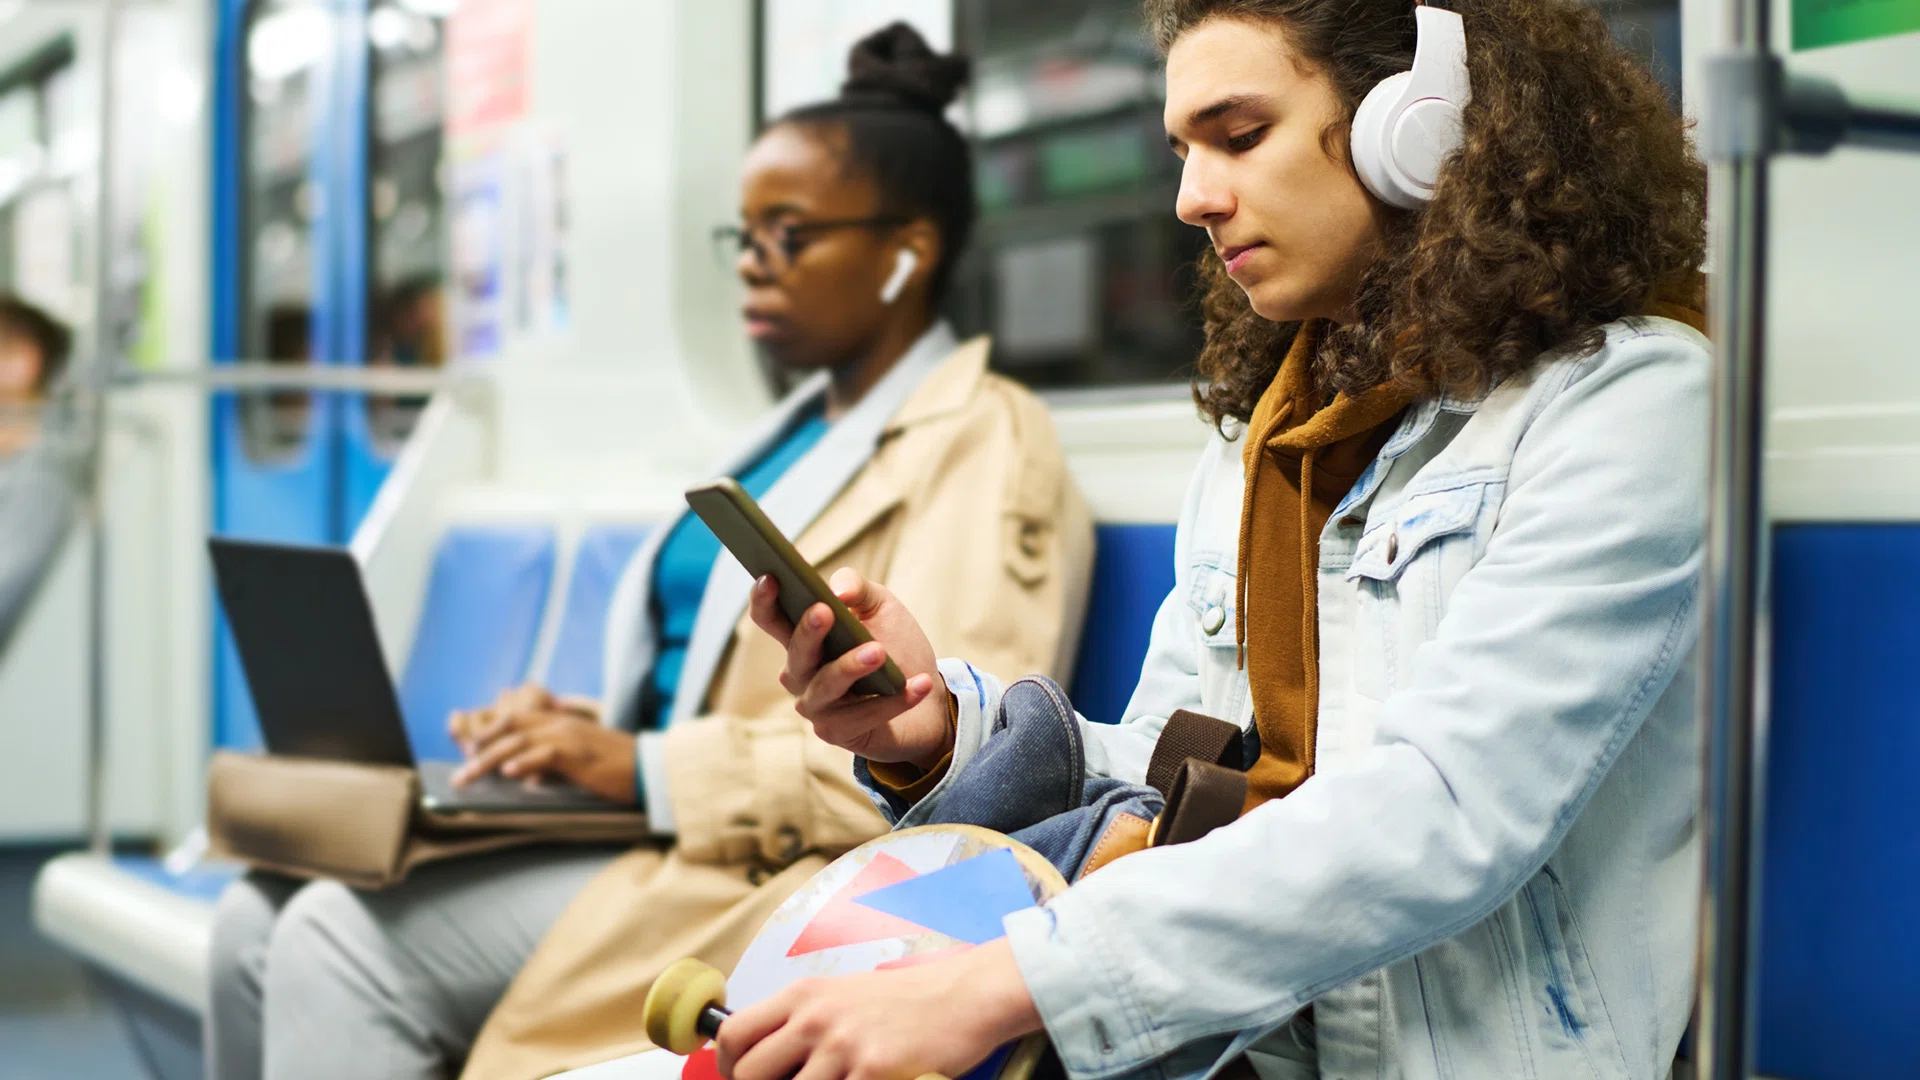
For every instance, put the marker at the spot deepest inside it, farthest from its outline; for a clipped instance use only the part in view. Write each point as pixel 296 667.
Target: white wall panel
pixel 1844 296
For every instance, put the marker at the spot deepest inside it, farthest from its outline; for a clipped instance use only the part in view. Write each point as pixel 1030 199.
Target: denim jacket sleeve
pixel 1553 649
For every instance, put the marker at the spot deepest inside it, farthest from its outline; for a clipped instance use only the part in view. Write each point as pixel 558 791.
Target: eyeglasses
pixel 776 245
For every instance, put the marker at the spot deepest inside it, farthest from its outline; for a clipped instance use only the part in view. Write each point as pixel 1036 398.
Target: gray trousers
pixel 313 979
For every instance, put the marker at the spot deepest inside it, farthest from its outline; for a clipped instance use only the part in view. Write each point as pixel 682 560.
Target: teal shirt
pixel 687 558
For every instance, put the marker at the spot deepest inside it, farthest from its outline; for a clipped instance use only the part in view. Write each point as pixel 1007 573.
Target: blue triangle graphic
pixel 965 901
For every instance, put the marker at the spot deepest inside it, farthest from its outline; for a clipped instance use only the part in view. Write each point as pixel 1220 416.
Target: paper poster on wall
pixel 540 233
pixel 489 64
pixel 1837 22
pixel 549 210
pixel 479 256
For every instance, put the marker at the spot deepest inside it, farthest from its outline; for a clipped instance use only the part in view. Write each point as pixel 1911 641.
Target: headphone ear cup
pixel 1372 144
pixel 1427 131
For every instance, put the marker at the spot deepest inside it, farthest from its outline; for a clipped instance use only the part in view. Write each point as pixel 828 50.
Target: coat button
pixel 789 843
pixel 1030 545
pixel 1393 546
pixel 1212 619
pixel 756 876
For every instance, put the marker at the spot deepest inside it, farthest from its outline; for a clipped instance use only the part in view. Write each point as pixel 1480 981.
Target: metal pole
pixel 1883 127
pixel 99 828
pixel 1732 706
pixel 254 375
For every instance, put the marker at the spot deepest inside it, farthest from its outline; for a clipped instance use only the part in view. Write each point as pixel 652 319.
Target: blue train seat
pixel 1132 574
pixel 599 558
pixel 478 626
pixel 1839 947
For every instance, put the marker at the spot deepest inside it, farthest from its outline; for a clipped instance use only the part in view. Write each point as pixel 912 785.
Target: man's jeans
pixel 1030 781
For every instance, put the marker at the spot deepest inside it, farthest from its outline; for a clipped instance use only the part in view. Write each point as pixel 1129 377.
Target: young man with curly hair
pixel 1442 560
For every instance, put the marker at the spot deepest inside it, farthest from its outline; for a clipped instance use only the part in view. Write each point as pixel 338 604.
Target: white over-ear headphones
pixel 1410 122
pixel 904 265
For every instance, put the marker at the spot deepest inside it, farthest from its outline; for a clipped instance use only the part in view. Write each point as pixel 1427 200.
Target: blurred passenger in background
pixel 900 455
pixel 410 333
pixel 275 421
pixel 40 477
pixel 33 353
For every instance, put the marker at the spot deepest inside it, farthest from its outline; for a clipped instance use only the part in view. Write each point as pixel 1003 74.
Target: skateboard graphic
pixel 906 898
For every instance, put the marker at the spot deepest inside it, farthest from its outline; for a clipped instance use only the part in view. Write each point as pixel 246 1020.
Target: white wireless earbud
pixel 904 264
pixel 1409 123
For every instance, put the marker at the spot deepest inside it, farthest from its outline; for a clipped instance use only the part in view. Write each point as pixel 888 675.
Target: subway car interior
pixel 357 358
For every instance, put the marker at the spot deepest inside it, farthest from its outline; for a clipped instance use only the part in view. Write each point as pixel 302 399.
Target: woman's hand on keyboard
pixel 466 725
pixel 560 741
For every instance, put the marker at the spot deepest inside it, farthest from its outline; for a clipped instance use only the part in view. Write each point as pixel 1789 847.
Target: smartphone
pixel 743 527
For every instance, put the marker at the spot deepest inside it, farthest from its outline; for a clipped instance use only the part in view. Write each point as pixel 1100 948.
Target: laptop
pixel 320 684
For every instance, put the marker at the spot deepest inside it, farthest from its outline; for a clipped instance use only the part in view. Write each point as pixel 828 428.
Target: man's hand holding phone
pixel 914 726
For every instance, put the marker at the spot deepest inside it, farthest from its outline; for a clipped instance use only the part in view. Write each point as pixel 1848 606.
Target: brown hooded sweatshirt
pixel 1302 456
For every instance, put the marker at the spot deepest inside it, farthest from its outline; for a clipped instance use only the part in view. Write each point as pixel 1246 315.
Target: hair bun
pixel 895 62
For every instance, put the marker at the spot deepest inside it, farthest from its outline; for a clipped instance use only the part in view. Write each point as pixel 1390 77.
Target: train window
pixel 405 200
pixel 1651 30
pixel 38 241
pixel 20 155
pixel 286 40
pixel 1078 267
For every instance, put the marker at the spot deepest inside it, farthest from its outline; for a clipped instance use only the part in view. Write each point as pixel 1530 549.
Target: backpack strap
pixel 1191 735
pixel 1198 767
pixel 1205 796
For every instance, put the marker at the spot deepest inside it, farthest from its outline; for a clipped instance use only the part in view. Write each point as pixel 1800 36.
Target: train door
pixel 391 294
pixel 328 242
pixel 274 460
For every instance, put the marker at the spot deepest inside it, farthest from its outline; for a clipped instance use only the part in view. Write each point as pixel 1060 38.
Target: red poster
pixel 489 63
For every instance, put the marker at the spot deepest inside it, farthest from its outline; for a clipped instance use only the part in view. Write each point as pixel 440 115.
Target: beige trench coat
pixel 966 511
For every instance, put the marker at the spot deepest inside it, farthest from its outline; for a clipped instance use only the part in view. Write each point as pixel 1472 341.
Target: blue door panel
pixel 295 499
pixel 1839 948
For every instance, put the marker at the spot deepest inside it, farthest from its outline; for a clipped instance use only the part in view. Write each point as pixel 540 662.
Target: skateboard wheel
pixel 675 1003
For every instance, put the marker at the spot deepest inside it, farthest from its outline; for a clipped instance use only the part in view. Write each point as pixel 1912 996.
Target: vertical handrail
pixel 1732 703
pixel 1755 110
pixel 99 828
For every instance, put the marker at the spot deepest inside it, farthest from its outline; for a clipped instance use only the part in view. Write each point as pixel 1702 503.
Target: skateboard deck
pixel 906 898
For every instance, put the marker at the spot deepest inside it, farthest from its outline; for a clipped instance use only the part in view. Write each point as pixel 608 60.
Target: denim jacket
pixel 1492 872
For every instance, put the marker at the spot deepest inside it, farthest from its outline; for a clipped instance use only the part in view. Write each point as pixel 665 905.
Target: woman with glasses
pixel 898 453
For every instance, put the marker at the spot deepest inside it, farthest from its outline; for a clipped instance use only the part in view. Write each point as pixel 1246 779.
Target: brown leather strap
pixel 1125 834
pixel 1191 735
pixel 1205 796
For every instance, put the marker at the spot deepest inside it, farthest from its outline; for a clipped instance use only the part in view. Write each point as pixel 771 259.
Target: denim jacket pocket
pixel 1403 567
pixel 1574 1034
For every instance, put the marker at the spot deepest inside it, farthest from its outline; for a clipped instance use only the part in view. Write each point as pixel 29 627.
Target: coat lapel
pixel 887 479
pixel 798 498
